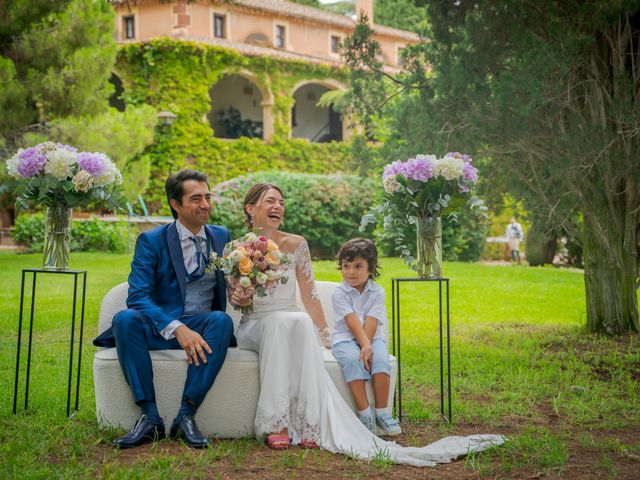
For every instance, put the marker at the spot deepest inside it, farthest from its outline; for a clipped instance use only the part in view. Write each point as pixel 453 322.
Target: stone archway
pixel 240 107
pixel 308 120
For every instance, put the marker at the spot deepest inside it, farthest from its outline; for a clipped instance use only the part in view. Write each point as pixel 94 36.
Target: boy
pixel 359 340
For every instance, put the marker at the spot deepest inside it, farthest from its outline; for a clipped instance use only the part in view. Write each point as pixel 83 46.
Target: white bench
pixel 228 410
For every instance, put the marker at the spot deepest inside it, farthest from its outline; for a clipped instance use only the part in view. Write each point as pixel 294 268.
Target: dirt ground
pixel 259 462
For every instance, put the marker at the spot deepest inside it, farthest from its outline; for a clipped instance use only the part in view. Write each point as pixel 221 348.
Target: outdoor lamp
pixel 166 118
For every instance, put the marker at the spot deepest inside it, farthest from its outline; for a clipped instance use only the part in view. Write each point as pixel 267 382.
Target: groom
pixel 174 303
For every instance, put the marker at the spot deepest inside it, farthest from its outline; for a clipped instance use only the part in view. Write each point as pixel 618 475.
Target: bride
pixel 299 403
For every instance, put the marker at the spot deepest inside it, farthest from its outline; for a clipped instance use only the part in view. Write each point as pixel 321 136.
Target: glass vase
pixel 429 246
pixel 57 238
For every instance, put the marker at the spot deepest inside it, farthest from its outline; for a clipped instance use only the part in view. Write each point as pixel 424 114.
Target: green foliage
pixel 123 135
pixel 13 99
pixel 95 235
pixel 235 126
pixel 325 209
pixel 29 231
pixel 63 53
pixel 86 235
pixel 402 14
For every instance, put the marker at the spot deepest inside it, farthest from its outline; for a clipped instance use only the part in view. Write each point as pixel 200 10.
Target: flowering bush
pixel 422 187
pixel 58 175
pixel 253 263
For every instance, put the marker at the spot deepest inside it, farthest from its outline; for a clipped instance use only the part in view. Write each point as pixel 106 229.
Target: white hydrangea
pixel 82 181
pixel 12 165
pixel 448 167
pixel 60 163
pixel 390 184
pixel 244 282
pixel 110 174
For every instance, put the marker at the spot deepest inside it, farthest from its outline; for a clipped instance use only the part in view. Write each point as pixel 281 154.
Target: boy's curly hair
pixel 360 247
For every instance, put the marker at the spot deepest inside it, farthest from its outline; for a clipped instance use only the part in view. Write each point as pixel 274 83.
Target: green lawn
pixel 522 365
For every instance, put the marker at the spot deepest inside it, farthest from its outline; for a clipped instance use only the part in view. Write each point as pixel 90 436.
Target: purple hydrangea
pixel 393 169
pixel 469 172
pixel 31 162
pixel 92 163
pixel 419 168
pixel 67 147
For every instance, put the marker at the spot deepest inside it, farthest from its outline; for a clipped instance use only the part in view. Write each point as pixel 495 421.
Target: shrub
pixel 29 231
pixel 325 209
pixel 89 235
pixel 98 235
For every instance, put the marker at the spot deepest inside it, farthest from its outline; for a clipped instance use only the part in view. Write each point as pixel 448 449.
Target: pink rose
pixel 261 263
pixel 262 244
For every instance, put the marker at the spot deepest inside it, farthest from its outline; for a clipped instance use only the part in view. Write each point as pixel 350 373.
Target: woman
pixel 298 401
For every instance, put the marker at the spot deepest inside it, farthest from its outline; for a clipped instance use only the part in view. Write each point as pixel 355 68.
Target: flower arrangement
pixel 253 263
pixel 60 178
pixel 57 175
pixel 418 192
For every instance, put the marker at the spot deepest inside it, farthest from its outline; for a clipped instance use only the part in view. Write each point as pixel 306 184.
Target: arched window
pixel 308 120
pixel 236 108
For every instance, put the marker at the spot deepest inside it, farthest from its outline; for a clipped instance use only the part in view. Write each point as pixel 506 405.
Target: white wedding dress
pixel 296 391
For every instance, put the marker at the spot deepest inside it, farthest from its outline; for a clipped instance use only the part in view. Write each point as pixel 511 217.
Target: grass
pixel 522 365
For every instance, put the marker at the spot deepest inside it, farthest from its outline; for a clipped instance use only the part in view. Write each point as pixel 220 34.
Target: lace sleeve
pixel 304 271
pixel 309 293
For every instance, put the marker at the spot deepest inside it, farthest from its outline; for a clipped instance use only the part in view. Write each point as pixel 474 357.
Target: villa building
pixel 261 28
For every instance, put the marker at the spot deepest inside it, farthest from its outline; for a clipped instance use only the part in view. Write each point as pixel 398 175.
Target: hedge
pixel 325 209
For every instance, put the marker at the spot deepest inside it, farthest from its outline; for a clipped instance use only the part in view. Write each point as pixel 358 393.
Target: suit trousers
pixel 135 337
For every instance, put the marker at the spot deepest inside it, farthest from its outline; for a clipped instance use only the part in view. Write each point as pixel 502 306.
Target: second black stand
pixel 395 342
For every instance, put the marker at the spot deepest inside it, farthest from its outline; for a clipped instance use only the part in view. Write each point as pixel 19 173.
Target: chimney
pixel 367 6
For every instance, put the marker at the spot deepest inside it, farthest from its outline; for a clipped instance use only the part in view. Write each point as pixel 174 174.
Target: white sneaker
pixel 388 424
pixel 368 420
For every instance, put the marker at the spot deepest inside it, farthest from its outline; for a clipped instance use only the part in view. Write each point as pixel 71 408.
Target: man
pixel 515 235
pixel 174 302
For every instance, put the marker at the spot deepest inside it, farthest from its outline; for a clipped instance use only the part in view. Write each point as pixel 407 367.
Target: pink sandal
pixel 308 443
pixel 277 441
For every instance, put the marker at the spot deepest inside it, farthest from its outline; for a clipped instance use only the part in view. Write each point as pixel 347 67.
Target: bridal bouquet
pixel 418 192
pixel 253 265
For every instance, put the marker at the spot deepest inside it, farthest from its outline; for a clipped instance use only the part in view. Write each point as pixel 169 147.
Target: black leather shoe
pixel 143 431
pixel 188 431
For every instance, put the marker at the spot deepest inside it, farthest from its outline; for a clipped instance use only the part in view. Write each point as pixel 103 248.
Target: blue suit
pixel 157 288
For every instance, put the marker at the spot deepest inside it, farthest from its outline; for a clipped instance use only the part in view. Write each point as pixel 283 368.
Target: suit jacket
pixel 158 279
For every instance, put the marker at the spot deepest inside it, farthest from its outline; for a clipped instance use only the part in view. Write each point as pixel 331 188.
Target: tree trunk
pixel 610 272
pixel 540 249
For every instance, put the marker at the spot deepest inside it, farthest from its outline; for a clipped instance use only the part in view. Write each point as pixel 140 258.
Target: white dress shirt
pixel 369 303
